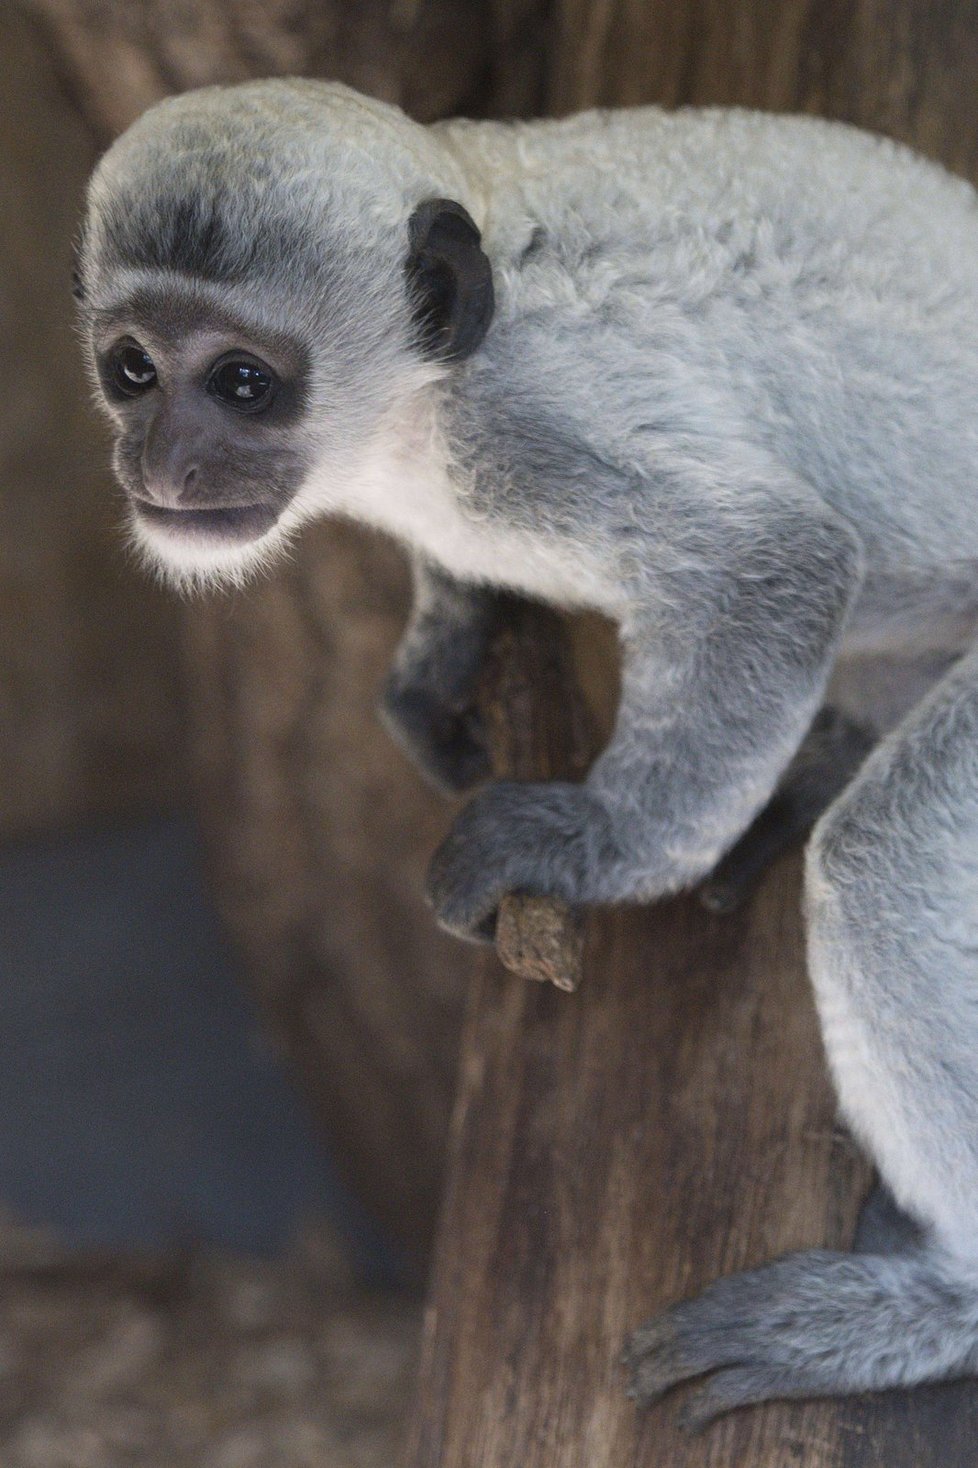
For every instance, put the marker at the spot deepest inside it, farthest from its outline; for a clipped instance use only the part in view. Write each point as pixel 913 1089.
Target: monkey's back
pixel 722 174
pixel 808 286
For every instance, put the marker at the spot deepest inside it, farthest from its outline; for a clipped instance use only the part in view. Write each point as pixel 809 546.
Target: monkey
pixel 829 756
pixel 713 374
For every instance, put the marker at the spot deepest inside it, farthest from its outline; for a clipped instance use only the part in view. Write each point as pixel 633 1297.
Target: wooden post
pixel 618 1148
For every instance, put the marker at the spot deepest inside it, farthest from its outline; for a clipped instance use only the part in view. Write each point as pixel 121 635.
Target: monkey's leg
pixel 429 700
pixel 893 933
pixel 832 752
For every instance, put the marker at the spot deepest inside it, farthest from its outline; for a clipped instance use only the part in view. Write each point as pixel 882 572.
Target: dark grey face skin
pixel 205 413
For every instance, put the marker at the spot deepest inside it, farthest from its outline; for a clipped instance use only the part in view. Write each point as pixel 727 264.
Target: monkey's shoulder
pixel 635 204
pixel 700 162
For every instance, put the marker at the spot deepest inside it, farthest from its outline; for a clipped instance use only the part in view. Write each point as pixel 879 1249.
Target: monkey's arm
pixel 429 700
pixel 725 663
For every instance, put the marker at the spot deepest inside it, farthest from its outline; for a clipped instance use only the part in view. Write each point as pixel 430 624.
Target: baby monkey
pixel 715 375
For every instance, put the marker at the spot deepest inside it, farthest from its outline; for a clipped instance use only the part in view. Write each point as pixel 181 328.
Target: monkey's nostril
pixel 189 481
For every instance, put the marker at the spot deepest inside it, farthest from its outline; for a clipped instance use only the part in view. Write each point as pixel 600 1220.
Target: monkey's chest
pixel 527 560
pixel 422 507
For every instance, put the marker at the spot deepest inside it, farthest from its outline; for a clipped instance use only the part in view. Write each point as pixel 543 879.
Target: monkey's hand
pixel 429 703
pixel 544 839
pixel 438 725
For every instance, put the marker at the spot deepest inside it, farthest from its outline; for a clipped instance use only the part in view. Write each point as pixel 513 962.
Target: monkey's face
pixel 208 419
pixel 269 275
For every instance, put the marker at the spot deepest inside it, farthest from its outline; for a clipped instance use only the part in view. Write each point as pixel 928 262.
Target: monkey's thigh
pixel 892 899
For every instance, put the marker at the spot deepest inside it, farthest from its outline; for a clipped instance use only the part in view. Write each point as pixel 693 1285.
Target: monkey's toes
pixel 653 1358
pixel 663 1354
pixel 719 1331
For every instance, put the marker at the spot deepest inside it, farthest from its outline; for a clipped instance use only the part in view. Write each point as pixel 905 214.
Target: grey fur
pixel 729 397
pixel 430 699
pixel 811 1325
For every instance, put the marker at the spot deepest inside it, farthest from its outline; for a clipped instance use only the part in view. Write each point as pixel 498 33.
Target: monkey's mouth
pixel 228 525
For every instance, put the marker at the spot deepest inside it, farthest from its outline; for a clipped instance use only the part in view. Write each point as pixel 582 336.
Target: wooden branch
pixel 541 938
pixel 539 729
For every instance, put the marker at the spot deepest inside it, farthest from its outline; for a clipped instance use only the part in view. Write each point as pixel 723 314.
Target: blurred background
pixel 229 1030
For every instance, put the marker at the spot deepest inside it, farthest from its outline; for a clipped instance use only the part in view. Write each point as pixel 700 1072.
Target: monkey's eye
pixel 243 385
pixel 132 370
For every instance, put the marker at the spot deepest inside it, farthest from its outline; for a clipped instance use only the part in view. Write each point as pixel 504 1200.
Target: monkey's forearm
pixel 698 747
pixel 709 724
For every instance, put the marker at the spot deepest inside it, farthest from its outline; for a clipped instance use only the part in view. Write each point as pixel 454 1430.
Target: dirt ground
pixel 197 1359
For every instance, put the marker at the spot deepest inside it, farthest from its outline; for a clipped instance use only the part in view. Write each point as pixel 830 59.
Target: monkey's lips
pixel 227 525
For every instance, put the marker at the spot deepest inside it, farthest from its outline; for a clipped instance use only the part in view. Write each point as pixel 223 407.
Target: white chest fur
pixel 406 485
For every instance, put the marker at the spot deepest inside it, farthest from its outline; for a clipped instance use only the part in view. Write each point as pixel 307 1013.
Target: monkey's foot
pixel 740 873
pixel 884 1228
pixel 741 1330
pixel 809 1325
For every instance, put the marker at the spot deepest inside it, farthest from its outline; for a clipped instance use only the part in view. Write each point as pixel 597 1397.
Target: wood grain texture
pixel 896 66
pixel 432 57
pixel 612 1151
pixel 617 1149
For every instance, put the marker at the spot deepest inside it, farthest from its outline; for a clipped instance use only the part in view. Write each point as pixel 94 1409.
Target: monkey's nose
pixel 171 491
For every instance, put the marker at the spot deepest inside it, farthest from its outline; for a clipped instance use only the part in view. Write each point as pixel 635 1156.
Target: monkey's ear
pixel 450 279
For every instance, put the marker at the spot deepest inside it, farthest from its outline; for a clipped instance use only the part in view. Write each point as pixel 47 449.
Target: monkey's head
pixel 268 274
